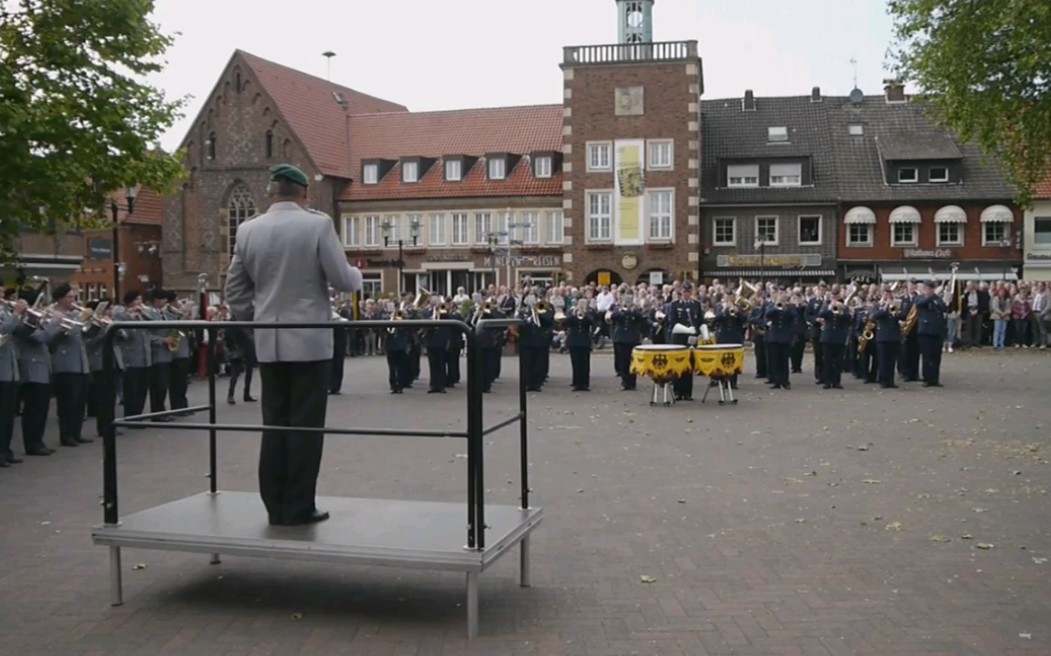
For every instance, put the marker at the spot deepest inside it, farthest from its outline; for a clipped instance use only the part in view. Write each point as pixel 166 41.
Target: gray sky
pixel 481 53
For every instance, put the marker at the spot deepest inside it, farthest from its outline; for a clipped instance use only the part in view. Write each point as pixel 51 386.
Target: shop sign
pixel 100 249
pixel 769 260
pixel 925 254
pixel 538 261
pixel 1038 257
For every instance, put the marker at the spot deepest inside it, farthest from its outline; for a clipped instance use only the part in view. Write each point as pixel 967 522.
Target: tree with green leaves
pixel 985 68
pixel 77 119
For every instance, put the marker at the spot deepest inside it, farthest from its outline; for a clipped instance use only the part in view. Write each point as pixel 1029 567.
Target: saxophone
pixel 910 320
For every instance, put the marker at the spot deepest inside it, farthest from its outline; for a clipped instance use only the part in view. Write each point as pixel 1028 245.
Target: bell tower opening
pixel 635 21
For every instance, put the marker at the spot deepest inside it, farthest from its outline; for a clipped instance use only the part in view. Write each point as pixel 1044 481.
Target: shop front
pixel 1037 241
pixel 783 268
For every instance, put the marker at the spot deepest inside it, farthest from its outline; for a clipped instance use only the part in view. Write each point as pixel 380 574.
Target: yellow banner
pixel 630 190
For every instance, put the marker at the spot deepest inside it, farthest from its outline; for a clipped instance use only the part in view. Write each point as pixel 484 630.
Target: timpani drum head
pixel 661 347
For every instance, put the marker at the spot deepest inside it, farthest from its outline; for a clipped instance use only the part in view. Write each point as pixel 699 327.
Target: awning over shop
pixel 44 266
pixel 950 214
pixel 966 272
pixel 905 214
pixel 755 274
pixel 860 215
pixel 997 214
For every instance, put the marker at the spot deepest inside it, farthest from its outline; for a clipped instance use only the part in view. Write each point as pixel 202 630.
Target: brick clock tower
pixel 631 144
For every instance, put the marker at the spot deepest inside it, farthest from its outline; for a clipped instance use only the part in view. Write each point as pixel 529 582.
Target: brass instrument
pixel 609 317
pixel 443 308
pixel 423 299
pixel 534 315
pixel 709 316
pixel 910 320
pixel 175 336
pixel 581 314
pixel 560 316
pixel 744 294
pixel 894 286
pixel 867 333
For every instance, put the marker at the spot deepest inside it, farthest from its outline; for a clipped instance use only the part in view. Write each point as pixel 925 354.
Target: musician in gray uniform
pixel 179 378
pixel 34 372
pixel 135 354
pixel 103 382
pixel 10 317
pixel 69 368
pixel 283 265
pixel 160 354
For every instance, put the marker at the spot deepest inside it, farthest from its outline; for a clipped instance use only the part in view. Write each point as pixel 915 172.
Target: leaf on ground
pixel 646 578
pixel 872 481
pixel 940 538
pixel 984 546
pixel 893 526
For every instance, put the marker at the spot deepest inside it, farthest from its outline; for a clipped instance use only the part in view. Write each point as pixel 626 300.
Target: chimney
pixel 748 104
pixel 815 94
pixel 894 91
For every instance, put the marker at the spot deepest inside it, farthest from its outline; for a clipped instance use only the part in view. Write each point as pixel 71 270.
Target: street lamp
pixel 130 193
pixel 760 245
pixel 414 232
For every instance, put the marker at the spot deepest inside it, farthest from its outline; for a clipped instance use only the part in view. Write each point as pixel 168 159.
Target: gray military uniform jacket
pixel 8 351
pixel 34 359
pixel 135 348
pixel 68 355
pixel 284 262
pixel 159 353
pixel 94 346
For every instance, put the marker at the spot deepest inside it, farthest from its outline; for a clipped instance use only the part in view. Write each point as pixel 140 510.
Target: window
pixel 371 174
pixel 938 174
pixel 786 175
pixel 599 156
pixel 904 234
pixel 725 231
pixel 859 234
pixel 777 134
pixel 269 144
pixel 503 224
pixel 950 234
pixel 410 171
pixel 994 234
pixel 908 175
pixel 742 175
pixel 351 231
pixel 1041 232
pixel 240 208
pixel 391 229
pixel 459 229
pixel 661 206
pixel 542 166
pixel 555 227
pixel 210 145
pixel 483 225
pixel 809 230
pixel 436 236
pixel 103 291
pixel 497 168
pixel 855 129
pixel 453 170
pixel 660 154
pixel 371 285
pixel 766 230
pixel 372 231
pixel 600 215
pixel 531 228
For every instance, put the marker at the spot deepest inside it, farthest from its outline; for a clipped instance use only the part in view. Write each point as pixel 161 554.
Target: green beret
pixel 290 173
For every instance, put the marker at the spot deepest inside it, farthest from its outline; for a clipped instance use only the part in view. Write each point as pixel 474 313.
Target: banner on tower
pixel 630 192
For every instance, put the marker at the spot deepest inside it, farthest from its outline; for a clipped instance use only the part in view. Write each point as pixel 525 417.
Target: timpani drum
pixel 719 362
pixel 661 363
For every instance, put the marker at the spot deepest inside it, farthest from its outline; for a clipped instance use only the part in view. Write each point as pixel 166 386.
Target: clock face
pixel 635 19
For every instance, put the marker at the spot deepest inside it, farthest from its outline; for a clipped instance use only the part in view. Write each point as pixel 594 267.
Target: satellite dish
pixel 856 96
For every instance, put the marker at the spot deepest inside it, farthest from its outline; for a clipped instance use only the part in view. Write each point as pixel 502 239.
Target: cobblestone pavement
pixel 860 521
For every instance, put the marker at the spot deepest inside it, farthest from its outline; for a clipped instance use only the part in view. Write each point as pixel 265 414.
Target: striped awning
pixel 950 214
pixel 756 274
pixel 905 214
pixel 997 214
pixel 860 215
pixel 966 272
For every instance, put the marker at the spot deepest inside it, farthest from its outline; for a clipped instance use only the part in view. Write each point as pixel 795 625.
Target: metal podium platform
pixel 361 531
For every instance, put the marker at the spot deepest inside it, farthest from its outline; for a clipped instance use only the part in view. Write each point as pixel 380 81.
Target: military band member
pixel 757 323
pixel 103 381
pixel 340 342
pixel 628 325
pixel 730 325
pixel 69 368
pixel 888 319
pixel 813 308
pixel 160 354
pixel 866 363
pixel 657 322
pixel 136 354
pixel 687 312
pixel 452 355
pixel 491 342
pixel 909 358
pixel 800 332
pixel 437 342
pixel 399 373
pixel 780 332
pixel 579 324
pixel 415 350
pixel 10 318
pixel 930 330
pixel 836 323
pixel 179 380
pixel 34 372
pixel 533 340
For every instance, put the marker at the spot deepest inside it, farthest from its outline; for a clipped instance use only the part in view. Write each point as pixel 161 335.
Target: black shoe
pixel 230 401
pixel 12 460
pixel 312 518
pixel 826 387
pixel 837 386
pixel 4 463
pixel 40 451
pixel 787 385
pixel 249 399
pixel 85 440
pixel 932 385
pixel 776 386
pixel 64 441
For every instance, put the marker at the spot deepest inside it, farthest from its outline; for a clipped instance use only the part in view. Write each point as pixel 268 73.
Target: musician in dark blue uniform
pixel 452 355
pixel 888 319
pixel 491 342
pixel 397 346
pixel 437 342
pixel 579 325
pixel 814 329
pixel 797 348
pixel 865 365
pixel 930 330
pixel 757 322
pixel 836 323
pixel 779 336
pixel 657 323
pixel 628 322
pixel 532 340
pixel 730 324
pixel 687 312
pixel 909 357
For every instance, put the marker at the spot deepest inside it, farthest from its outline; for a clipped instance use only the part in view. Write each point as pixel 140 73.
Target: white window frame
pixel 894 242
pixel 599 223
pixel 483 225
pixel 351 231
pixel 436 229
pixel 733 231
pixel 373 232
pixel 999 242
pixel 459 222
pixel 544 166
pixel 930 174
pixel 663 219
pixel 453 170
pixel 820 229
pixel 600 156
pixel 531 231
pixel 950 242
pixel 410 171
pixel 856 130
pixel 370 174
pixel 915 175
pixel 777 229
pixel 660 154
pixel 372 280
pixel 788 177
pixel 556 227
pixel 777 134
pixel 743 171
pixel 1036 245
pixel 868 228
pixel 496 167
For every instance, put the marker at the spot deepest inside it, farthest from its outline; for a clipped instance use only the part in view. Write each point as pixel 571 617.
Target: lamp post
pixel 760 245
pixel 414 232
pixel 130 193
pixel 511 243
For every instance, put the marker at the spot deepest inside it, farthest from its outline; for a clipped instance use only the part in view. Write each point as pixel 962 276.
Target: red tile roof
pixel 313 113
pixel 1043 190
pixel 148 207
pixel 474 132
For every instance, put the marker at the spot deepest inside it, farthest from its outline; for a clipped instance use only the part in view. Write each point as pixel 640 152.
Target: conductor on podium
pixel 283 264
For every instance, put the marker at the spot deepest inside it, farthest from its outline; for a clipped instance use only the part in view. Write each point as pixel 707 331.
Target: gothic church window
pixel 269 144
pixel 240 208
pixel 210 146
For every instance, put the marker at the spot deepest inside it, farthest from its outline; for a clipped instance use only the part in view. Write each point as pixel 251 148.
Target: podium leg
pixel 116 593
pixel 472 605
pixel 523 563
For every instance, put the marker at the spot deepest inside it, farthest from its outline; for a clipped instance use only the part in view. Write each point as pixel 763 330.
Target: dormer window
pixel 938 174
pixel 856 129
pixel 777 134
pixel 410 171
pixel 453 170
pixel 742 175
pixel 908 174
pixel 370 174
pixel 497 167
pixel 542 166
pixel 786 175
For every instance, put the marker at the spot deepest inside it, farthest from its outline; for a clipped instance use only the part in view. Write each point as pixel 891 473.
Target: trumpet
pixel 659 316
pixel 609 317
pixel 175 336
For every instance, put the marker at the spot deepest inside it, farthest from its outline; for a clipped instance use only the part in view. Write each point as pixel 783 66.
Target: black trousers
pixel 160 375
pixel 580 360
pixel 437 361
pixel 795 354
pixel 8 404
pixel 399 375
pixel 335 378
pixel 179 382
pixel 760 357
pixel 888 358
pixel 974 328
pixel 103 400
pixel 819 360
pixel 867 363
pixel 69 404
pixel 534 366
pixel 909 358
pixel 931 352
pixel 236 367
pixel 622 364
pixel 415 352
pixel 36 404
pixel 289 461
pixel 832 363
pixel 452 364
pixel 490 367
pixel 777 353
pixel 136 383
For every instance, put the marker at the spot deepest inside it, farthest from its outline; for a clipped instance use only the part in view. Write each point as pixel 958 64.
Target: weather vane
pixel 854 63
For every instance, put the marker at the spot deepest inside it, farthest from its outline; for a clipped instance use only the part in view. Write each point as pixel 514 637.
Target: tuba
pixel 743 296
pixel 423 299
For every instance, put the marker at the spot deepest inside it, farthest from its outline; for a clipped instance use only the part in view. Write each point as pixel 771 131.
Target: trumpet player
pixel 179 369
pixel 730 325
pixel 628 325
pixel 685 311
pixel 835 328
pixel 103 382
pixel 888 320
pixel 579 325
pixel 11 314
pixel 781 330
pixel 69 367
pixel 437 341
pixel 757 322
pixel 32 339
pixel 930 329
pixel 135 354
